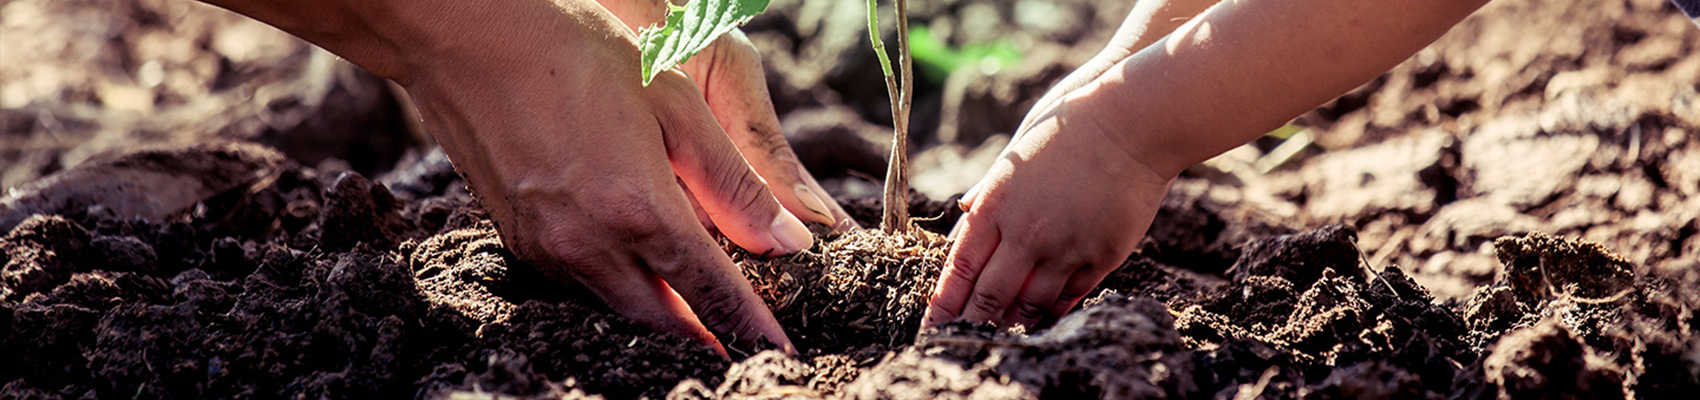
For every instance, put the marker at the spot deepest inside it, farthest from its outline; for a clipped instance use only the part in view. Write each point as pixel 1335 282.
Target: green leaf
pixel 690 29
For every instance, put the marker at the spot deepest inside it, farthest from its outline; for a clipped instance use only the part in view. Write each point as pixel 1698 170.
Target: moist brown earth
pixel 1398 255
pixel 203 305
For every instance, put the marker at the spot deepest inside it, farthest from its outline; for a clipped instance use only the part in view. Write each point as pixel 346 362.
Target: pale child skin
pixel 1116 132
pixel 1182 81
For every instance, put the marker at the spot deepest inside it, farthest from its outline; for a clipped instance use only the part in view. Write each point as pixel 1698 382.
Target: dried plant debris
pixel 860 288
pixel 267 291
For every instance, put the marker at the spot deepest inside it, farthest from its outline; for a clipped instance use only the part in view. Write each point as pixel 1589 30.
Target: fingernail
pixel 790 233
pixel 810 200
pixel 967 199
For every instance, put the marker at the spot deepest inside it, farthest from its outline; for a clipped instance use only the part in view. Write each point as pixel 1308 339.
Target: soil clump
pixel 372 295
pixel 230 270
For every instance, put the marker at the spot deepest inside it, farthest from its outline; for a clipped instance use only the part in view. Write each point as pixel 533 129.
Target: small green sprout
pixel 690 29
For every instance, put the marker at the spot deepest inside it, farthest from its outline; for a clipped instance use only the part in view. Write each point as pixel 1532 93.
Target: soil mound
pixel 237 271
pixel 333 286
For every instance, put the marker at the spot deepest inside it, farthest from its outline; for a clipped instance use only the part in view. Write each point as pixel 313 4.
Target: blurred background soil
pixel 1576 118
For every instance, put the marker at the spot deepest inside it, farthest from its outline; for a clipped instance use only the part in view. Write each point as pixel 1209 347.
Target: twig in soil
pixel 931 219
pixel 1387 249
pixel 1634 145
pixel 1377 274
pixel 1255 390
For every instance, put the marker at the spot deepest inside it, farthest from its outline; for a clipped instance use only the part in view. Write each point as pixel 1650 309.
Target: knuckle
pixel 1031 311
pixel 938 312
pixel 964 265
pixel 985 302
pixel 736 44
pixel 958 279
pixel 737 36
pixel 741 189
pixel 1035 239
pixel 563 246
pixel 1072 293
pixel 676 88
pixel 627 211
pixel 667 261
pixel 723 313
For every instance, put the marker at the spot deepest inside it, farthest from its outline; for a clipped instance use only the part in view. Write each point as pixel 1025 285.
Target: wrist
pixel 388 38
pixel 471 42
pixel 1144 139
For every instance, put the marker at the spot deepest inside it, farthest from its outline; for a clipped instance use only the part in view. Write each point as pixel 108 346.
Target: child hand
pixel 1066 203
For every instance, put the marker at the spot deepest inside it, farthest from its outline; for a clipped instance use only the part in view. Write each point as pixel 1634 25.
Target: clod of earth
pixel 229 271
pixel 862 288
pixel 262 291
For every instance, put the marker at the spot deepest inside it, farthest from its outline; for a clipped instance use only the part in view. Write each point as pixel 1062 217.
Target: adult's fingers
pixel 730 75
pixel 973 248
pixel 640 294
pixel 696 208
pixel 705 278
pixel 733 195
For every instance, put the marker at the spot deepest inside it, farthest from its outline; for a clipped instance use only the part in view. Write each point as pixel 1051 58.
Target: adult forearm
pixel 1245 67
pixel 638 13
pixel 395 38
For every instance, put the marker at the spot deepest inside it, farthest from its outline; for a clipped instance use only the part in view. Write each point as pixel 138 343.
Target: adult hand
pixel 1064 206
pixel 541 106
pixel 730 75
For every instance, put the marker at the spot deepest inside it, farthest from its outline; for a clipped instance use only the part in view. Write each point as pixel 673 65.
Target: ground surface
pixel 1391 257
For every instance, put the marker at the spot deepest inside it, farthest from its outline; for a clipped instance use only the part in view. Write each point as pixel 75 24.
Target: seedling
pixel 691 28
pixel 896 201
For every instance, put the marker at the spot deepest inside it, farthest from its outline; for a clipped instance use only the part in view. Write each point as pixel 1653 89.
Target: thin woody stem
pixel 896 200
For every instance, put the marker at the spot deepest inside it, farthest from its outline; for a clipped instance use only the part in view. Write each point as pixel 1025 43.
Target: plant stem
pixel 896 199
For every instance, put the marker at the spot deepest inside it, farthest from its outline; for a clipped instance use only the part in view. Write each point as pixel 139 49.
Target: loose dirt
pixel 1399 255
pixel 364 300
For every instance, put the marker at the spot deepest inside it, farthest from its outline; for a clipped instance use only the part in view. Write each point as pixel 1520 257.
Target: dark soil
pixel 360 301
pixel 364 300
pixel 859 289
pixel 1398 256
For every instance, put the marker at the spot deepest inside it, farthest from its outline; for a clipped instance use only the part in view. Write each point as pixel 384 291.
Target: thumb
pixel 729 72
pixel 736 199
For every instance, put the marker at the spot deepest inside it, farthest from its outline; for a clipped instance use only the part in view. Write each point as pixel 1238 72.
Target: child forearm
pixel 1149 21
pixel 1245 67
